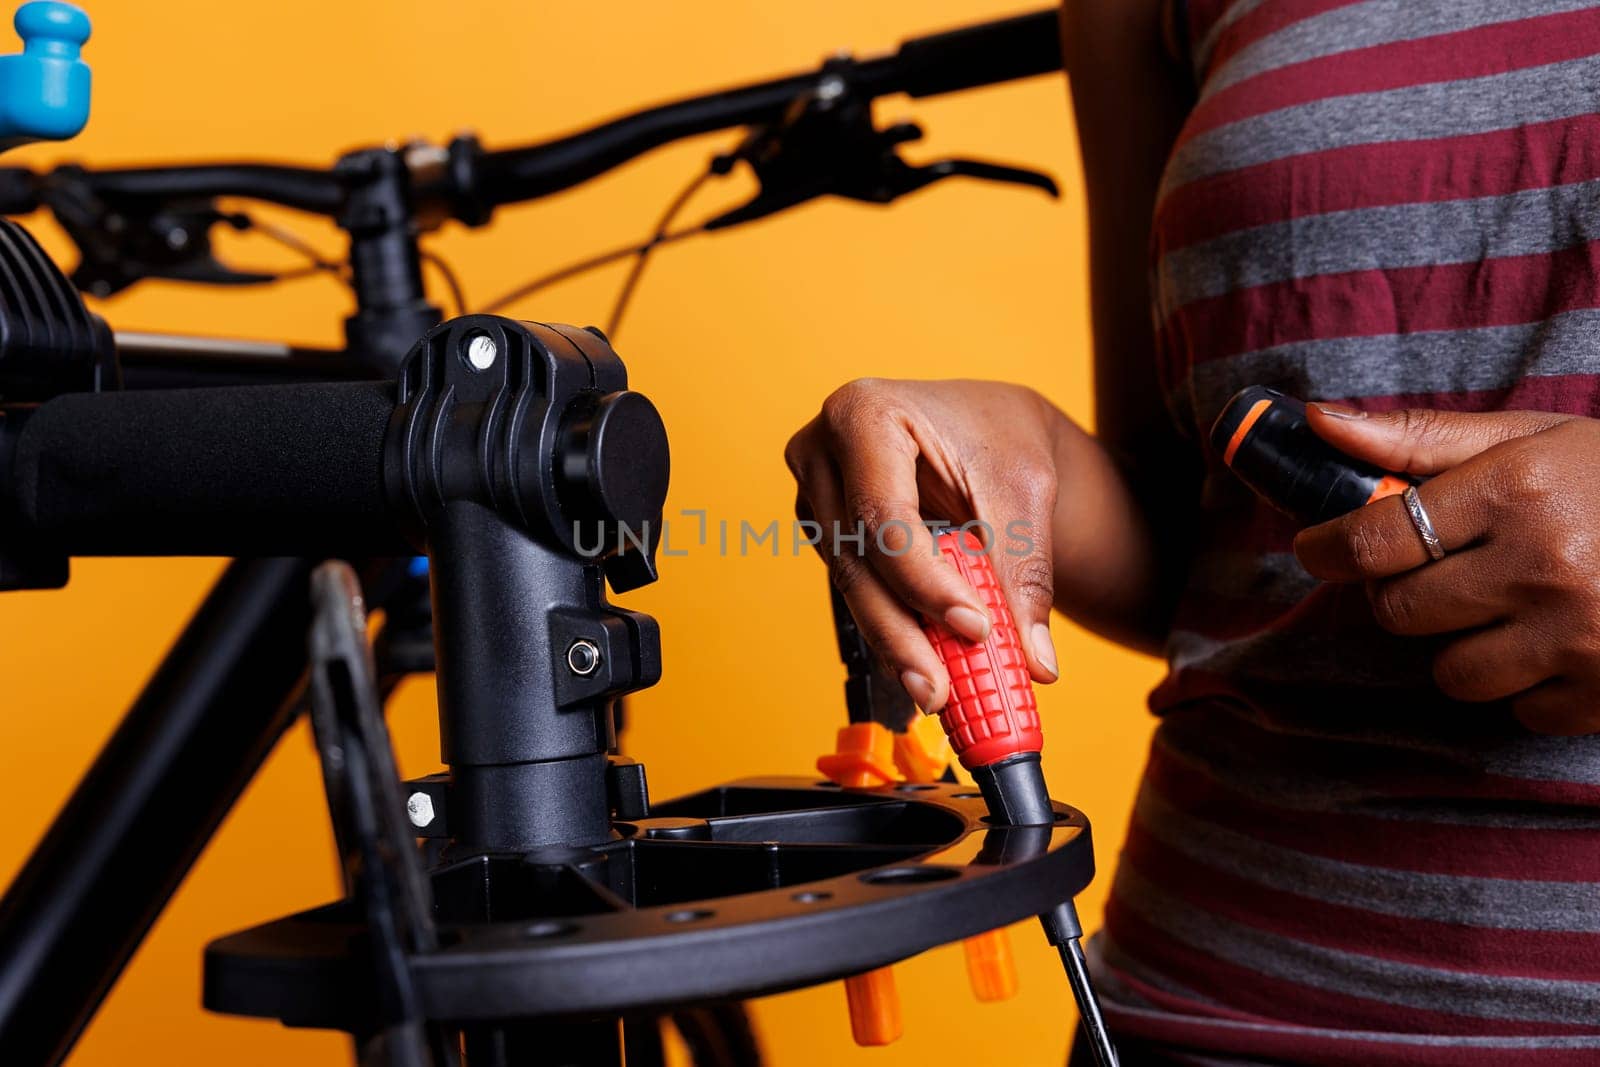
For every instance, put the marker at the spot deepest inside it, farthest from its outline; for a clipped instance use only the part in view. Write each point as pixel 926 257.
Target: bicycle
pixel 267 453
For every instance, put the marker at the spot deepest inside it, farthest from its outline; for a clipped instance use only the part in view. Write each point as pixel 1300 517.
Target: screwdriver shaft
pixel 1094 1025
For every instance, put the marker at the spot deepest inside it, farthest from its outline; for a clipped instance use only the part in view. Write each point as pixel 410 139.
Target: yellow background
pixel 736 337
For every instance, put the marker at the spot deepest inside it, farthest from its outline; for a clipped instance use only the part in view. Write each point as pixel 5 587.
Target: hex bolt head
pixel 583 657
pixel 482 352
pixel 419 808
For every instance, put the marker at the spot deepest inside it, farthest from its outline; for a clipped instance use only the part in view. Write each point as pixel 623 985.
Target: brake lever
pixel 897 178
pixel 120 243
pixel 827 145
pixel 929 173
pixel 173 243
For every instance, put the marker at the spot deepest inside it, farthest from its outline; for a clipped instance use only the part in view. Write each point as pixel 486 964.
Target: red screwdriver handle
pixel 991 713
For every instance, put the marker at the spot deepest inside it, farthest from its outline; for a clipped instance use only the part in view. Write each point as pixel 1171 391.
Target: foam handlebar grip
pixel 991 713
pixel 270 470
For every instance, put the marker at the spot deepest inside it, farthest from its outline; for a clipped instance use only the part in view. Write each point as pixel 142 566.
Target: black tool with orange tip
pixel 1264 438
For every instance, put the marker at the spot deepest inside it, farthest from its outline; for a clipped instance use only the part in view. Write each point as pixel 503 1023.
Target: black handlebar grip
pixel 1263 437
pixel 1017 47
pixel 237 471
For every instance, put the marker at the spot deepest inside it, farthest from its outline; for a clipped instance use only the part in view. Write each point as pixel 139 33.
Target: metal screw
pixel 177 239
pixel 419 807
pixel 583 657
pixel 830 88
pixel 482 352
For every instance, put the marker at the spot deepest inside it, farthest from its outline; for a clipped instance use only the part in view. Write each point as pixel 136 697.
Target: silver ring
pixel 1424 525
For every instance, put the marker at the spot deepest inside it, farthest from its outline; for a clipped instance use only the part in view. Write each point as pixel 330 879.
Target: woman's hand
pixel 1516 503
pixel 883 456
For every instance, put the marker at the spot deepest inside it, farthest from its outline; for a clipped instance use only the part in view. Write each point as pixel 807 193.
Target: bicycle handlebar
pixel 513 175
pixel 305 188
pixel 1011 48
pixel 1017 47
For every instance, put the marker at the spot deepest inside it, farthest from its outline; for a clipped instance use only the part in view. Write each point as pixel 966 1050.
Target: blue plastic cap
pixel 44 92
pixel 46 25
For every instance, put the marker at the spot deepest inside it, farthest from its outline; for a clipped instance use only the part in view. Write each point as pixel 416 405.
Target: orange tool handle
pixel 991 714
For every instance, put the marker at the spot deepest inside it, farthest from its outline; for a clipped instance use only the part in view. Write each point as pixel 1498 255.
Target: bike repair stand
pixel 563 902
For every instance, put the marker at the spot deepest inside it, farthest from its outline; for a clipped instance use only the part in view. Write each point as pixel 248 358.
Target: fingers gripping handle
pixel 991 714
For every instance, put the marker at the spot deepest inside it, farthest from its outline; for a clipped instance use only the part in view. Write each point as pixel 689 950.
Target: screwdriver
pixel 1264 438
pixel 992 720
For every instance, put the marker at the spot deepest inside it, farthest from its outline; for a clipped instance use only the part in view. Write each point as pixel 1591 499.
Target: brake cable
pixel 458 296
pixel 662 234
pixel 643 257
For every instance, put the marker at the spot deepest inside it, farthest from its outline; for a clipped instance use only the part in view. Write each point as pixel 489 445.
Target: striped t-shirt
pixel 1385 203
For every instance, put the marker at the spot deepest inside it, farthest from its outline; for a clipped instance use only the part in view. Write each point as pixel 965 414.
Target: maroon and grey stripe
pixel 1386 203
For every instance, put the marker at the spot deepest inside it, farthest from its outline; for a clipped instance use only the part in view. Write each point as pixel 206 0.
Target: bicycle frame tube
pixel 154 796
pixel 179 361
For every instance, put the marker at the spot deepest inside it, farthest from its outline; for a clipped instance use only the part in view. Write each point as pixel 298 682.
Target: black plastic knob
pixel 614 471
pixel 615 464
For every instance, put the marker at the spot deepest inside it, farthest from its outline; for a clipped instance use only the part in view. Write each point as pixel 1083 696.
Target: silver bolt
pixel 177 239
pixel 419 807
pixel 482 352
pixel 583 657
pixel 831 87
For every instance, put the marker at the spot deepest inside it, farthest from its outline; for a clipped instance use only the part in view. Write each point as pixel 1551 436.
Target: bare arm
pixel 883 455
pixel 1130 96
